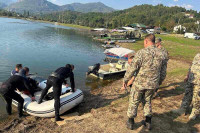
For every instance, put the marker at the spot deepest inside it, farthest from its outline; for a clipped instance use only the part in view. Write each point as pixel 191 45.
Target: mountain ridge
pixel 44 6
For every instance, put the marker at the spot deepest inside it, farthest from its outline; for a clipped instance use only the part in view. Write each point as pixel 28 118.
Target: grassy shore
pixel 63 24
pixel 108 105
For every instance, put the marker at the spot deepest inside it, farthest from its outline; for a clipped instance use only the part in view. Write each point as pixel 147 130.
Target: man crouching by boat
pixel 56 79
pixel 8 89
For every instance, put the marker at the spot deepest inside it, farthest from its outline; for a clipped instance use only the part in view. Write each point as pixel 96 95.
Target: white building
pixel 176 28
pixel 189 15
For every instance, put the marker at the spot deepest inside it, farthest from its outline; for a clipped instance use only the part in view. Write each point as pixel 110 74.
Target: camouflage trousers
pixel 192 96
pixel 137 96
pixel 187 99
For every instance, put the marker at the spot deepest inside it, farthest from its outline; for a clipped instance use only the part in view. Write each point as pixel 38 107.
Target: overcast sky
pixel 123 4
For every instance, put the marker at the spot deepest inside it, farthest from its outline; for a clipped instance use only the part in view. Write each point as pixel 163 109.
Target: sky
pixel 123 4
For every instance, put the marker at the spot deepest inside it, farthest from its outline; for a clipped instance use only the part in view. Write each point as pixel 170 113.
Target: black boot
pixel 130 123
pixel 40 101
pixel 58 118
pixel 147 122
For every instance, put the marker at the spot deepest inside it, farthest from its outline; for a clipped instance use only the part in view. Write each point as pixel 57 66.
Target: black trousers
pixel 57 88
pixel 13 95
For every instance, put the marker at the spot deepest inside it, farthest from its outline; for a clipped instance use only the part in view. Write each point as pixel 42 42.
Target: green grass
pixel 176 49
pixel 134 46
pixel 63 24
pixel 180 51
pixel 180 40
pixel 178 72
pixel 181 48
pixel 75 26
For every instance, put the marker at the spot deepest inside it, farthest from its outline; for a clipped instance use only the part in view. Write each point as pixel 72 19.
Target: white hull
pixel 46 108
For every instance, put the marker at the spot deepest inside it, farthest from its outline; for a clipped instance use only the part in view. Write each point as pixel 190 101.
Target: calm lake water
pixel 45 47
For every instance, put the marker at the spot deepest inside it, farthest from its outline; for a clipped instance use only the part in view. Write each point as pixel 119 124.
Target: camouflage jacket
pixel 149 63
pixel 194 71
pixel 165 52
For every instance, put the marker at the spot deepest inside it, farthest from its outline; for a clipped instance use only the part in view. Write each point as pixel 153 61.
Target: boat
pixel 68 100
pixel 118 53
pixel 126 41
pixel 109 42
pixel 107 46
pixel 109 70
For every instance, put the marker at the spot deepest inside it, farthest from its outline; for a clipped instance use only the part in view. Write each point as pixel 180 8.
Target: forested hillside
pixel 166 17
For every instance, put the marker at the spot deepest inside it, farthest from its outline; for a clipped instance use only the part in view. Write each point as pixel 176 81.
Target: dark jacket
pixel 65 72
pixel 13 72
pixel 16 82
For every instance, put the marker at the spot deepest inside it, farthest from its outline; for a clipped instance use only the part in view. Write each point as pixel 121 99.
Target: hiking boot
pixel 20 116
pixel 179 111
pixel 147 123
pixel 130 123
pixel 40 101
pixel 9 113
pixel 58 119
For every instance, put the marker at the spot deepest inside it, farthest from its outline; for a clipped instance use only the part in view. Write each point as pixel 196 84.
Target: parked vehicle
pixel 157 30
pixel 109 42
pixel 150 31
pixel 126 41
pixel 192 36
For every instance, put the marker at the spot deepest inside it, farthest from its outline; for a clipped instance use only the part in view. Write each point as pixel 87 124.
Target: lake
pixel 44 47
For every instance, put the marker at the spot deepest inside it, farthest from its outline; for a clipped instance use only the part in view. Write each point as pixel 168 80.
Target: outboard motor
pixel 95 69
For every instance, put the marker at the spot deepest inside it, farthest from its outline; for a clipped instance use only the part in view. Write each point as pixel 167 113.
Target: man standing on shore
pixel 149 63
pixel 192 90
pixel 166 56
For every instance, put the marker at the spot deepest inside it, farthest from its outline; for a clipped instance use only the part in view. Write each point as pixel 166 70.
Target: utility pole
pixel 179 20
pixel 198 23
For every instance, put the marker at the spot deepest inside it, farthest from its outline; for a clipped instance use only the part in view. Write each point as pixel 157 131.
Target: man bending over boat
pixel 56 79
pixel 8 91
pixel 25 73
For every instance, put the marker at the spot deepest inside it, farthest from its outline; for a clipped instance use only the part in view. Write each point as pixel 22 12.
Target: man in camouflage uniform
pixel 166 56
pixel 150 65
pixel 158 45
pixel 192 90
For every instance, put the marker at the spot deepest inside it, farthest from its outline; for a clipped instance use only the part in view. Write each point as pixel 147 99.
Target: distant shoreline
pixel 61 24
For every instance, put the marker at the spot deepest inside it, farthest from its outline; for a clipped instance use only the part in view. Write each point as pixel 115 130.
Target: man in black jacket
pixel 56 79
pixel 8 89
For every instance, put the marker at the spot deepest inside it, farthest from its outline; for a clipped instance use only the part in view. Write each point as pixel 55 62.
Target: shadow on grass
pixel 179 88
pixel 170 122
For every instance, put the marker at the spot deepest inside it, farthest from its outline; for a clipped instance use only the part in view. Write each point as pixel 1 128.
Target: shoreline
pixel 108 105
pixel 53 23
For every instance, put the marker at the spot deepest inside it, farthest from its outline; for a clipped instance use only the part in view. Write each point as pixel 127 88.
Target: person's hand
pixel 32 99
pixel 130 82
pixel 67 85
pixel 124 86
